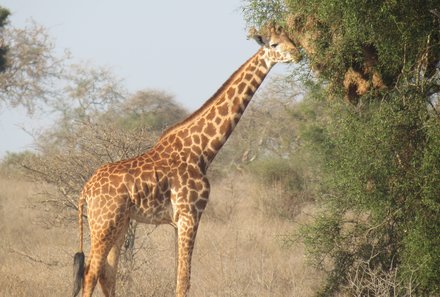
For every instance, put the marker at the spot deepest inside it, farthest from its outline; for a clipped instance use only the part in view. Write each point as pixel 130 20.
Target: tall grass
pixel 239 250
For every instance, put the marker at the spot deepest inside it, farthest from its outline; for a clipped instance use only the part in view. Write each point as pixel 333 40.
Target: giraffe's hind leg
pixel 103 260
pixel 107 230
pixel 107 278
pixel 92 270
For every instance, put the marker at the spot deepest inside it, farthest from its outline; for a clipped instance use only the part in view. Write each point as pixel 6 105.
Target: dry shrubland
pixel 239 250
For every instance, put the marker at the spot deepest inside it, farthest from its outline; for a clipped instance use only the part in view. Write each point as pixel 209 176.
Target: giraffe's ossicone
pixel 168 183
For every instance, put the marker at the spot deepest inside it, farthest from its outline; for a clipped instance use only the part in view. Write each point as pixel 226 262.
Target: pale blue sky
pixel 187 48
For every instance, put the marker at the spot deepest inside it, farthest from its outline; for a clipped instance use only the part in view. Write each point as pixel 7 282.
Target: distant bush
pixel 278 171
pixel 12 164
pixel 285 186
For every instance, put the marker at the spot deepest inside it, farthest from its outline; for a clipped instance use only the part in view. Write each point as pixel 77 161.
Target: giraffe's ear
pixel 259 39
pixel 253 33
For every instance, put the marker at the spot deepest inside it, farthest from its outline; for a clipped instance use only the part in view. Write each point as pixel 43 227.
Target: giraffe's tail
pixel 78 259
pixel 78 272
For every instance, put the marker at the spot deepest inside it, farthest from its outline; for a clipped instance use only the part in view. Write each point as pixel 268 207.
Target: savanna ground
pixel 240 248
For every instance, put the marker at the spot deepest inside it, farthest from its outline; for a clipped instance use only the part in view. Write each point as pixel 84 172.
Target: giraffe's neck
pixel 207 129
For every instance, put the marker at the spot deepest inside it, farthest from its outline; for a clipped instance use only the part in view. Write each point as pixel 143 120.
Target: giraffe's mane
pixel 208 102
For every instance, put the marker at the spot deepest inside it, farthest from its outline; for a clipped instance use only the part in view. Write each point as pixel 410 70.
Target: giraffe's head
pixel 277 45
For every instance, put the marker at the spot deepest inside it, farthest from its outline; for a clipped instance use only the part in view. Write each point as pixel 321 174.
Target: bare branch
pixel 33 258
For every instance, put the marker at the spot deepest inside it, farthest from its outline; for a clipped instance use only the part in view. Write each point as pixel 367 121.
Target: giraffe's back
pixel 135 187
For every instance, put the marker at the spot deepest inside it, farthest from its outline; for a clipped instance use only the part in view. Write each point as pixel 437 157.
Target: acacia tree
pixel 377 137
pixel 31 70
pixel 358 46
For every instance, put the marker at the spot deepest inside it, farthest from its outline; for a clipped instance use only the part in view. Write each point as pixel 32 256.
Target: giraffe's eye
pixel 274 45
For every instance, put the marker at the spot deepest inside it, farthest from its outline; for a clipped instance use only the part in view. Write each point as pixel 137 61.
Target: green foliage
pixel 257 12
pixel 390 36
pixel 381 166
pixel 398 30
pixel 422 240
pixel 379 158
pixel 4 14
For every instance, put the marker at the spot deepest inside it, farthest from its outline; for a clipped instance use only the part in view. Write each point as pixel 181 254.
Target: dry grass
pixel 34 260
pixel 239 250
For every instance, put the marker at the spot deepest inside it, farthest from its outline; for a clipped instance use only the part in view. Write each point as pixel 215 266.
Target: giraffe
pixel 168 184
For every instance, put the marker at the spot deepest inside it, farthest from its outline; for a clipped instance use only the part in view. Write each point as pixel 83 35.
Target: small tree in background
pixel 154 109
pixel 30 71
pixel 97 126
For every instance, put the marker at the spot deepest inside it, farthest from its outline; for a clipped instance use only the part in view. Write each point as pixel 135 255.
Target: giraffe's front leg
pixel 186 235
